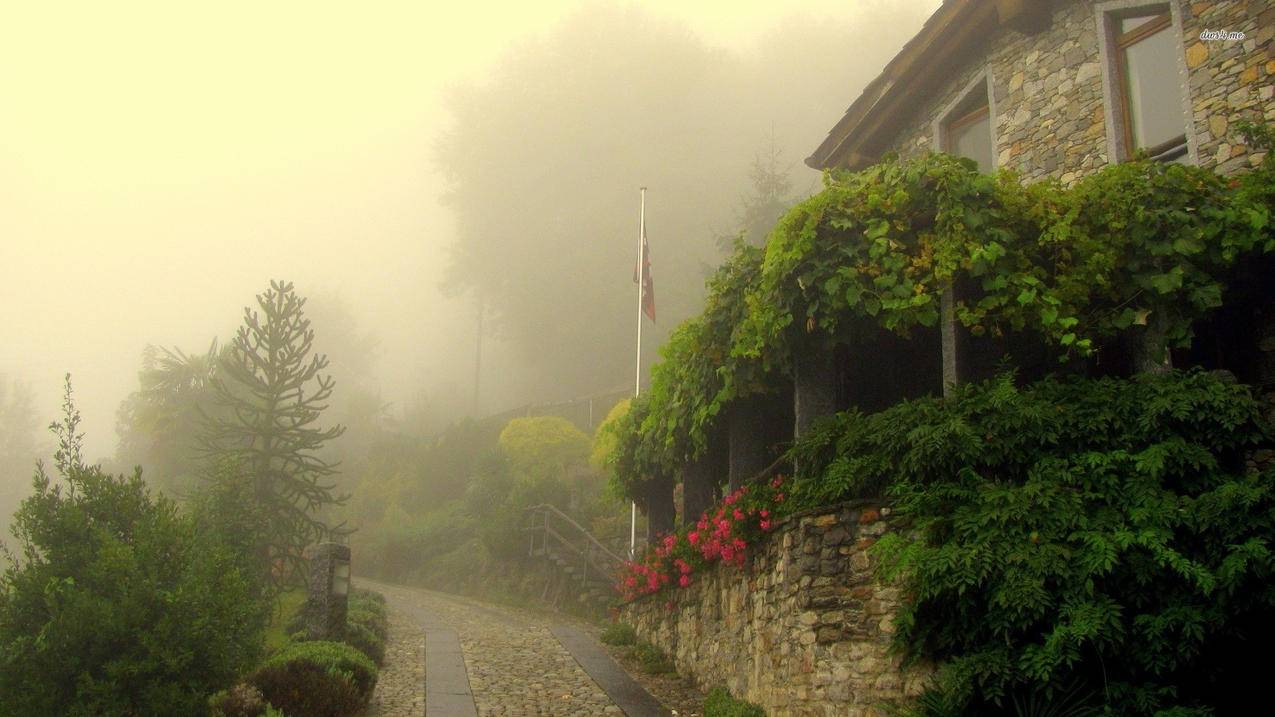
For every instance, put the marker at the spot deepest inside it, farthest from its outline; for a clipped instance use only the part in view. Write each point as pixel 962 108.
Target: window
pixel 1148 97
pixel 968 130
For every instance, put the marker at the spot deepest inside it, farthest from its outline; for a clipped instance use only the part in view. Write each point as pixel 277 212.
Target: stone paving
pixel 400 689
pixel 515 665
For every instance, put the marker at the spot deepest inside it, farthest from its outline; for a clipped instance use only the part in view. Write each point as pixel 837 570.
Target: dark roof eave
pixel 944 34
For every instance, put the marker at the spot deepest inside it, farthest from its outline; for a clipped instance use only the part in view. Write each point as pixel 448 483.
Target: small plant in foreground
pixel 719 703
pixel 619 634
pixel 652 659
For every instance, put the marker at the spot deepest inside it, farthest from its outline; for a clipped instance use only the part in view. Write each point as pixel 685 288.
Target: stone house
pixel 1047 88
pixel 1062 87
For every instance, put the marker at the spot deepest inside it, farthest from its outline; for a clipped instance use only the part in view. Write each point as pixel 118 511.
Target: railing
pixel 554 531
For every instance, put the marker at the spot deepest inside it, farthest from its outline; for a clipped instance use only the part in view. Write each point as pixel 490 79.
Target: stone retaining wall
pixel 803 629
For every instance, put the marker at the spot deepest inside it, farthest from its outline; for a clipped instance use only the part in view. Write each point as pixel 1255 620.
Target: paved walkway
pixel 486 661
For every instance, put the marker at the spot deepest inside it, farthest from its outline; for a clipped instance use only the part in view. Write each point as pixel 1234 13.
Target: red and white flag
pixel 643 273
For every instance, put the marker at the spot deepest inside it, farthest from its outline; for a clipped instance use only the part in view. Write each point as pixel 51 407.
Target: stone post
pixel 947 327
pixel 702 476
pixel 756 425
pixel 657 494
pixel 328 600
pixel 1151 352
pixel 815 383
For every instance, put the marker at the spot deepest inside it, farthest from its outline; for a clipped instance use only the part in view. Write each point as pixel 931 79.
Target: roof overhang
pixel 956 31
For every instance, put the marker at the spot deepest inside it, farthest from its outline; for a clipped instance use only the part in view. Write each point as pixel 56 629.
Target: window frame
pixel 958 113
pixel 1121 145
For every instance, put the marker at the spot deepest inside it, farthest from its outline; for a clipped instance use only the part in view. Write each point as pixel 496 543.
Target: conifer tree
pixel 273 393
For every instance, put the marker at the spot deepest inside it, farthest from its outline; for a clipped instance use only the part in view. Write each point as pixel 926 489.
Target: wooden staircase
pixel 579 568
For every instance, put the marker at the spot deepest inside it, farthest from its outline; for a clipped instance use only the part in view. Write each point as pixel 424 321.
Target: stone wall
pixel 803 629
pixel 1047 94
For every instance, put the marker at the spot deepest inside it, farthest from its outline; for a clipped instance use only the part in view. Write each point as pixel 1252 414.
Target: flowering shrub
pixel 721 535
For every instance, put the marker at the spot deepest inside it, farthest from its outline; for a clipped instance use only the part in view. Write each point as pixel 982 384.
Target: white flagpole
pixel 637 380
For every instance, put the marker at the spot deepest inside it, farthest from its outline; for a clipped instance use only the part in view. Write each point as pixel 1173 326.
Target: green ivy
pixel 1094 536
pixel 1133 248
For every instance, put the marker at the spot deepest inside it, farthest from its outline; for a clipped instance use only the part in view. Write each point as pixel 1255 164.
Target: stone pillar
pixel 815 384
pixel 947 325
pixel 328 600
pixel 756 426
pixel 657 502
pixel 702 477
pixel 1151 350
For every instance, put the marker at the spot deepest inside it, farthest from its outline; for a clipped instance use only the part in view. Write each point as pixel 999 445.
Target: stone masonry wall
pixel 1047 90
pixel 803 629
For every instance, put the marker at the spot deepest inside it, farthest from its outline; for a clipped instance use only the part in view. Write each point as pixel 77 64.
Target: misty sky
pixel 159 162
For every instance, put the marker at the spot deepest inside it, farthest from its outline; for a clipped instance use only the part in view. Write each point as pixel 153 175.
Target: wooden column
pixel 815 384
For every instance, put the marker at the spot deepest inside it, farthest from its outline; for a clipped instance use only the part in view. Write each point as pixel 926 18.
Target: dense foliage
pixel 1096 537
pixel 321 679
pixel 118 604
pixel 1140 250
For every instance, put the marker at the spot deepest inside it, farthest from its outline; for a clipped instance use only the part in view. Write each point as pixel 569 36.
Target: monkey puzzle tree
pixel 270 386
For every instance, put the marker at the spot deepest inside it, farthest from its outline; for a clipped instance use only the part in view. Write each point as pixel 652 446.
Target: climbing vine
pixel 1139 248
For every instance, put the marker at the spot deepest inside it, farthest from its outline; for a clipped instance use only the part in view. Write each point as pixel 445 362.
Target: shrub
pixel 719 703
pixel 117 603
pixel 652 659
pixel 374 622
pixel 1102 534
pixel 317 679
pixel 365 640
pixel 619 634
pixel 242 700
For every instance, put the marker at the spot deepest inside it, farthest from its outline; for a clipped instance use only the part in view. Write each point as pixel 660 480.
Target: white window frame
pixel 1106 15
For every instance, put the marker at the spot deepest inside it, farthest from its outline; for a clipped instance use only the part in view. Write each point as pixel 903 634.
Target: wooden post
pixel 1151 353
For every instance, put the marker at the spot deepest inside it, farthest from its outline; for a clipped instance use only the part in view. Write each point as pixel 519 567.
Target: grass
pixel 290 602
pixel 719 703
pixel 652 659
pixel 619 634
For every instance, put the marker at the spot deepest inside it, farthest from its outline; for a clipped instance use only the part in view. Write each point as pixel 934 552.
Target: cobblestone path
pixel 515 665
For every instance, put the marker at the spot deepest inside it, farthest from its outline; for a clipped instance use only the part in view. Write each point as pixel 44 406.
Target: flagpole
pixel 637 379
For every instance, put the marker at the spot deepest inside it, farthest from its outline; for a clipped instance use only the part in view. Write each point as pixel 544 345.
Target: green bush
pixel 619 634
pixel 365 640
pixel 118 604
pixel 719 703
pixel 375 622
pixel 1100 536
pixel 241 701
pixel 316 679
pixel 652 659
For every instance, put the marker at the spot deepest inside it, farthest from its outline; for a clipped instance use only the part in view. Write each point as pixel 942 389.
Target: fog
pixel 160 163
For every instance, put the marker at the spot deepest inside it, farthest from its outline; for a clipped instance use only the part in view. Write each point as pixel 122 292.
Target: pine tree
pixel 274 394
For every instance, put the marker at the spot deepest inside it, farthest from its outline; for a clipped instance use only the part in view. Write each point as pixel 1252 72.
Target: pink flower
pixel 684 581
pixel 779 497
pixel 765 513
pixel 693 537
pixel 765 524
pixel 739 515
